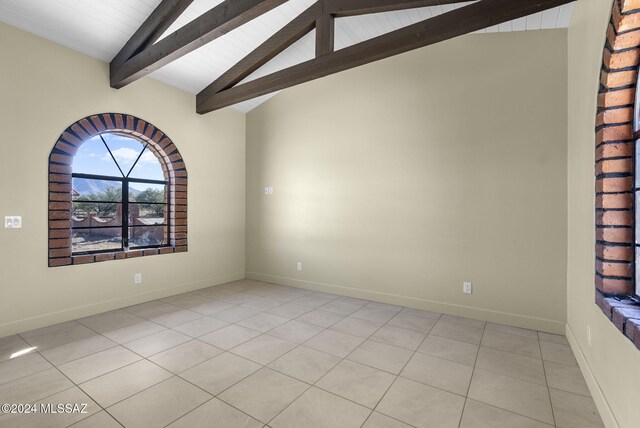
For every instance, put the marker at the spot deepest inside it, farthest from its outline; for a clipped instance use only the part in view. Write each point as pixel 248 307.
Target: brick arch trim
pixel 60 188
pixel 615 170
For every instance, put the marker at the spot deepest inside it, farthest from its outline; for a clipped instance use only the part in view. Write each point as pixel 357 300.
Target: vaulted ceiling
pixel 100 28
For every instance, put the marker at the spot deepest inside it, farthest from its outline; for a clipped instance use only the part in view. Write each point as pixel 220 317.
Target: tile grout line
pixel 544 371
pixel 30 374
pixel 484 328
pixel 79 385
pixel 216 396
pixel 473 371
pixel 248 292
pixel 298 345
pixel 74 385
pixel 403 367
pixel 177 375
pixel 111 371
pixel 512 377
pixel 335 365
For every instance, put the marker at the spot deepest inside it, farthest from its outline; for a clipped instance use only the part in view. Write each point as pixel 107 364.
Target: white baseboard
pixel 534 323
pixel 51 318
pixel 606 414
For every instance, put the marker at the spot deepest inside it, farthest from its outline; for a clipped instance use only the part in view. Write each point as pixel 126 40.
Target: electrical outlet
pixel 467 287
pixel 137 278
pixel 268 190
pixel 12 222
pixel 299 266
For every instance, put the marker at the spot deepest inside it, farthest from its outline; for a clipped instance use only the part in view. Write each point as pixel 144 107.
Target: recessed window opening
pixel 117 190
pixel 636 192
pixel 119 196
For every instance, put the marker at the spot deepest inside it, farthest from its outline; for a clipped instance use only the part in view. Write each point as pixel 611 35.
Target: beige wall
pixel 43 89
pixel 399 180
pixel 611 364
pixel 395 181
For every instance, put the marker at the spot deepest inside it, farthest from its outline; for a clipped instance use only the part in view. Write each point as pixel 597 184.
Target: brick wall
pixel 60 207
pixel 615 171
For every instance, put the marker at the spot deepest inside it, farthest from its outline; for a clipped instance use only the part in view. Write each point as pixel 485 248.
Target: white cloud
pixel 148 158
pixel 127 156
pixel 123 154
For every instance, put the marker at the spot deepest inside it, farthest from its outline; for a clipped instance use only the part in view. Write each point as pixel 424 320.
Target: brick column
pixel 615 169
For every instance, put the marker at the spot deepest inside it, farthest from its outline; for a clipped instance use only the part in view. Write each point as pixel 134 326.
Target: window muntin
pixel 113 210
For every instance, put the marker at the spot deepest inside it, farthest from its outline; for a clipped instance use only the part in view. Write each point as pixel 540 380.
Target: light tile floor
pixel 252 354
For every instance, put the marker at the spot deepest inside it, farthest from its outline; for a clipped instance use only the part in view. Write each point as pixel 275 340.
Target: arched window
pixel 617 171
pixel 117 189
pixel 119 196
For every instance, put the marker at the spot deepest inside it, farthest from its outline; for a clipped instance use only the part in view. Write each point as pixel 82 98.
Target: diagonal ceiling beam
pixel 150 31
pixel 285 37
pixel 218 21
pixel 302 25
pixel 361 7
pixel 476 16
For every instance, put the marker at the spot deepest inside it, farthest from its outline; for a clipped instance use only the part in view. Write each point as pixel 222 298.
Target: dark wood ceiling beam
pixel 150 31
pixel 477 16
pixel 296 29
pixel 218 21
pixel 325 31
pixel 282 39
pixel 361 7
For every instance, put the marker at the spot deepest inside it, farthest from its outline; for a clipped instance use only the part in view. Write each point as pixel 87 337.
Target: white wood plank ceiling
pixel 99 28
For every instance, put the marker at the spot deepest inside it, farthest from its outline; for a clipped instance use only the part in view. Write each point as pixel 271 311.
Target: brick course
pixel 614 170
pixel 59 202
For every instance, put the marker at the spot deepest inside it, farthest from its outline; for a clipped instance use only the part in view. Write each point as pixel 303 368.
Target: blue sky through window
pixel 94 158
pixel 148 167
pixel 125 150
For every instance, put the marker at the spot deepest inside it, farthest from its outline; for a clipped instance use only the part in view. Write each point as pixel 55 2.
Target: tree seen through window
pixel 119 196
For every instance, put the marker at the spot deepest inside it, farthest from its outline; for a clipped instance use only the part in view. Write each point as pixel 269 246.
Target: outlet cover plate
pixel 13 222
pixel 467 287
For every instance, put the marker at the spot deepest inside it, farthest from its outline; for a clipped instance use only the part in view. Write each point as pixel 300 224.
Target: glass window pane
pixel 637 162
pixel 637 213
pixel 88 189
pixel 148 167
pixel 151 193
pixel 145 236
pixel 93 214
pixel 94 158
pixel 86 240
pixel 637 272
pixel 147 214
pixel 124 149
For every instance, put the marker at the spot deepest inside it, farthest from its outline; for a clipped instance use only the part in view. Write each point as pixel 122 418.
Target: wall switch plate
pixel 268 190
pixel 13 222
pixel 137 278
pixel 467 287
pixel 299 266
